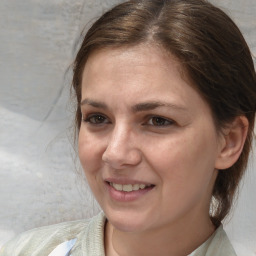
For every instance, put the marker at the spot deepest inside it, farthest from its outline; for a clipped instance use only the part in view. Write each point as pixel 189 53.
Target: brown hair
pixel 212 51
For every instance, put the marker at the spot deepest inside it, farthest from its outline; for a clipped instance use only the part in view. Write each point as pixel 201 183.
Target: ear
pixel 232 142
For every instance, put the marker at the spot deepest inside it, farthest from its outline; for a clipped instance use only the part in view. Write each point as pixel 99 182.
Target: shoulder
pixel 217 244
pixel 42 241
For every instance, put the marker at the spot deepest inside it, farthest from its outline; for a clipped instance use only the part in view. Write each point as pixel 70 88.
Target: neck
pixel 178 239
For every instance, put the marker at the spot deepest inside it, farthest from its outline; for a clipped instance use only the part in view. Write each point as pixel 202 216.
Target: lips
pixel 127 190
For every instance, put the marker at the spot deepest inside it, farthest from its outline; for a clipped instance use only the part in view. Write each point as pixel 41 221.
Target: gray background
pixel 40 177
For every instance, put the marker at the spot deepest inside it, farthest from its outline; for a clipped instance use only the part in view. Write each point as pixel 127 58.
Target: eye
pixel 159 121
pixel 96 119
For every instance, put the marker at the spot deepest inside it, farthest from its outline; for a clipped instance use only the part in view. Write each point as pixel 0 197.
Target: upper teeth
pixel 128 187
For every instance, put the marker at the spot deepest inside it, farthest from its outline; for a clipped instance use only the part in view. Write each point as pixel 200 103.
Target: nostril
pixel 118 157
pixel 104 158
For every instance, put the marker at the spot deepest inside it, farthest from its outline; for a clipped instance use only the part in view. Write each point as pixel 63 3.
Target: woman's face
pixel 147 142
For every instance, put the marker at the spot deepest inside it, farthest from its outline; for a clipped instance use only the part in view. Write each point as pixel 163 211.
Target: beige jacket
pixel 89 236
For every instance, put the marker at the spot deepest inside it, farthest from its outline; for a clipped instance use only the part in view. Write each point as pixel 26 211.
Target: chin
pixel 127 222
pixel 130 227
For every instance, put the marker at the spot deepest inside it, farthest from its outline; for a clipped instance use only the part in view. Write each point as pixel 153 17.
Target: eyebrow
pixel 93 103
pixel 140 107
pixel 155 104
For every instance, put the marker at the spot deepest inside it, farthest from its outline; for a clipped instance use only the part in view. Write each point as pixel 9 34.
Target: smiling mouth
pixel 129 187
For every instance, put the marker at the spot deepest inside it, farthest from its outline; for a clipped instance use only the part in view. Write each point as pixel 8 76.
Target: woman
pixel 166 100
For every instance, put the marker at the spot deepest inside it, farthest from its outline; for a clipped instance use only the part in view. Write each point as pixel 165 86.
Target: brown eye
pixel 159 121
pixel 96 119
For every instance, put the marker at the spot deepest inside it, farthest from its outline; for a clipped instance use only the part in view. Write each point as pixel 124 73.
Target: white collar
pixel 64 248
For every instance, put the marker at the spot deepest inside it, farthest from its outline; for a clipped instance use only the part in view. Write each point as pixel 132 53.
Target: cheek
pixel 89 151
pixel 186 169
pixel 168 154
pixel 90 158
pixel 195 165
pixel 184 160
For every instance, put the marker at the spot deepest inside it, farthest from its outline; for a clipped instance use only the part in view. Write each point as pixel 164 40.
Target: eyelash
pixel 163 121
pixel 150 120
pixel 89 118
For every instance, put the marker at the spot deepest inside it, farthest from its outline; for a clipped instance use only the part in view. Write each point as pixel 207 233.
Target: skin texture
pixel 123 139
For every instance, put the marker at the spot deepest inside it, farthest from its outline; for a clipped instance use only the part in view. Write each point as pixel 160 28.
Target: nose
pixel 122 150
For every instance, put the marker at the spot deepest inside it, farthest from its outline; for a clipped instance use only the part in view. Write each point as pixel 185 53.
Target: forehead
pixel 141 62
pixel 138 73
pixel 142 54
